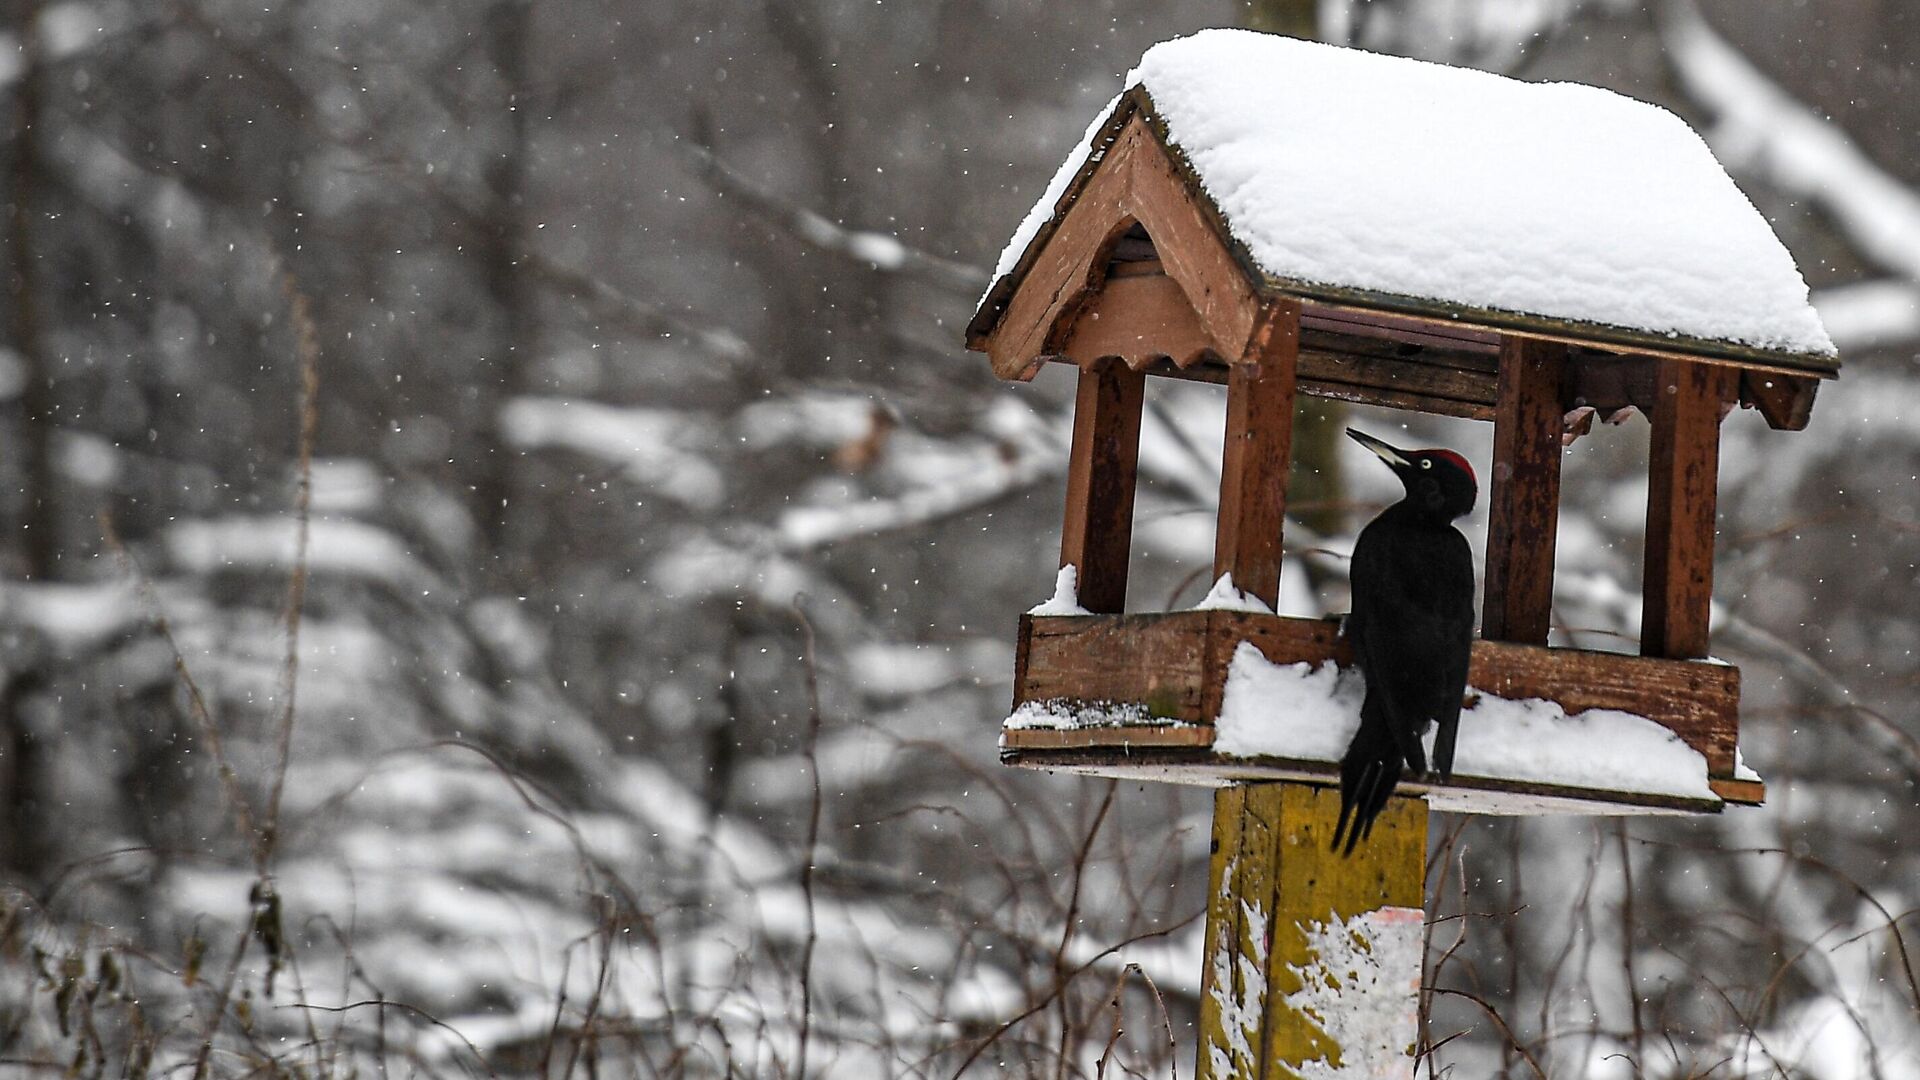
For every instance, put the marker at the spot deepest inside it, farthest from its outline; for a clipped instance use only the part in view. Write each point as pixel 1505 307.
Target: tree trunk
pixel 503 230
pixel 36 532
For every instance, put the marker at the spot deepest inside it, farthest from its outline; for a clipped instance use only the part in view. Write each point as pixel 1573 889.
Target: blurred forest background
pixel 615 690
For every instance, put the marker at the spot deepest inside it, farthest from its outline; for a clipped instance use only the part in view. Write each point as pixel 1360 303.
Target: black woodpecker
pixel 1411 628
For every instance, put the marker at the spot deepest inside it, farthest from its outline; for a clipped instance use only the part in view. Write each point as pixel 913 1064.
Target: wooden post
pixel 1098 532
pixel 1288 919
pixel 1523 501
pixel 1259 446
pixel 1683 470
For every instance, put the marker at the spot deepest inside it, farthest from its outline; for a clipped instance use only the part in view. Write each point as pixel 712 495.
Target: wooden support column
pixel 1683 470
pixel 1286 915
pixel 1258 450
pixel 1523 498
pixel 1098 532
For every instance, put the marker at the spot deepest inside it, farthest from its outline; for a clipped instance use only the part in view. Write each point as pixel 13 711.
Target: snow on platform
pixel 1345 169
pixel 1305 712
pixel 1293 722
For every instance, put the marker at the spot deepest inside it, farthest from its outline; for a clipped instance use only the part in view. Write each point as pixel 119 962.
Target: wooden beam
pixel 1193 241
pixel 1285 914
pixel 1523 500
pixel 1194 766
pixel 1105 455
pixel 1125 737
pixel 1258 450
pixel 1683 470
pixel 1134 181
pixel 1786 402
pixel 1138 317
pixel 1174 665
pixel 1066 269
pixel 1156 661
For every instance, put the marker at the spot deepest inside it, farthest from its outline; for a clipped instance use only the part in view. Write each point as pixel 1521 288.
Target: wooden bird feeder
pixel 1138 273
pixel 1134 269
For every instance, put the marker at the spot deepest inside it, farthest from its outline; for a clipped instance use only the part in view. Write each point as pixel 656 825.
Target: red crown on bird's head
pixel 1456 459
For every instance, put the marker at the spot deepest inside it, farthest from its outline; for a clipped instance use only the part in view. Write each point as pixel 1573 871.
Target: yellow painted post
pixel 1313 961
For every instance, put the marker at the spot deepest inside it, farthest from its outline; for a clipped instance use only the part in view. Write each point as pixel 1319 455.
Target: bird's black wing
pixel 1414 592
pixel 1455 591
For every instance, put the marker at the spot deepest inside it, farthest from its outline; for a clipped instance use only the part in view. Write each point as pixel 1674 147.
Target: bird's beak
pixel 1393 457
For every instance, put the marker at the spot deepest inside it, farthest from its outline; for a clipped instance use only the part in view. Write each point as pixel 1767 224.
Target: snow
pixel 1870 314
pixel 346 486
pixel 932 478
pixel 1242 1001
pixel 1066 595
pixel 821 421
pixel 1224 597
pixel 659 449
pixel 1310 713
pixel 1553 199
pixel 1076 715
pixel 899 669
pixel 346 548
pixel 702 566
pixel 74 617
pixel 1362 988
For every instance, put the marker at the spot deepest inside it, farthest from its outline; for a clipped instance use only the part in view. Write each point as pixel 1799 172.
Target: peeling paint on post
pixel 1313 961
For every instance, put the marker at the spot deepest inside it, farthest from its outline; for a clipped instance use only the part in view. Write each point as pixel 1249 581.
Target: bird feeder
pixel 1282 218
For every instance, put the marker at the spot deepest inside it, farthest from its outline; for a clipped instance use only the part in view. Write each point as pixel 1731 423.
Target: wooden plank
pixel 1743 792
pixel 1101 469
pixel 1608 383
pixel 1257 453
pixel 1682 473
pixel 1347 360
pixel 996 307
pixel 1374 363
pixel 1176 663
pixel 1119 737
pixel 1155 661
pixel 1394 399
pixel 1195 767
pixel 1192 239
pixel 1523 500
pixel 1273 883
pixel 1067 267
pixel 1443 317
pixel 1022 648
pixel 1387 326
pixel 1784 401
pixel 1138 318
pixel 1344 369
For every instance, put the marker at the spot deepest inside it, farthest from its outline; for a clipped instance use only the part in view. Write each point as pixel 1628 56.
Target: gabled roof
pixel 1400 185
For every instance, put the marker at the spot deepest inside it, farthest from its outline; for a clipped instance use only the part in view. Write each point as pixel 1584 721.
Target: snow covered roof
pixel 1384 182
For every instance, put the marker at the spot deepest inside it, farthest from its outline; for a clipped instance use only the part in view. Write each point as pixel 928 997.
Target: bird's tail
pixel 1368 775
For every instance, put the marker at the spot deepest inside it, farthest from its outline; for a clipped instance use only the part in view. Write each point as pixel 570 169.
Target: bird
pixel 1411 628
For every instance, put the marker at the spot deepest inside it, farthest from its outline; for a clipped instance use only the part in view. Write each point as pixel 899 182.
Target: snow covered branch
pixel 1761 128
pixel 882 251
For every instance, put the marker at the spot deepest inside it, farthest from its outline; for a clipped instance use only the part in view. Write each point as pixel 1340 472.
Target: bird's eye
pixel 1426 463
